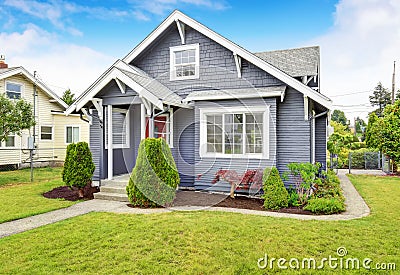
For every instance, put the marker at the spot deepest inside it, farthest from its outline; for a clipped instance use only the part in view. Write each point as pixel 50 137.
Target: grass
pixel 205 242
pixel 19 198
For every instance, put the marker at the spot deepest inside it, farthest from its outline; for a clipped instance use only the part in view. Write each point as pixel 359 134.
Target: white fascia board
pixel 87 95
pixel 229 96
pixel 177 15
pixel 42 86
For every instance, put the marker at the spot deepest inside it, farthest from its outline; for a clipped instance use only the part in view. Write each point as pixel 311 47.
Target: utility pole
pixel 31 149
pixel 393 80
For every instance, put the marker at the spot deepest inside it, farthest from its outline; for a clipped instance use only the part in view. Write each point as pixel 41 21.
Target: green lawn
pixel 205 242
pixel 19 198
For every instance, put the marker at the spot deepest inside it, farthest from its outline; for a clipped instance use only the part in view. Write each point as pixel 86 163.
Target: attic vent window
pixel 184 62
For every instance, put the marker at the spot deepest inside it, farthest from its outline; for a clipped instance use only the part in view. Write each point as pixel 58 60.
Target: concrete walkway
pixel 355 208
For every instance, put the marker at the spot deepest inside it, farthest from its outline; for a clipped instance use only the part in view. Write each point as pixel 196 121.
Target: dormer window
pixel 184 62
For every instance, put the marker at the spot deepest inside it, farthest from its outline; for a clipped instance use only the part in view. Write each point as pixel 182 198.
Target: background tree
pixel 15 116
pixel 339 117
pixel 373 134
pixel 380 98
pixel 360 128
pixel 68 97
pixel 391 131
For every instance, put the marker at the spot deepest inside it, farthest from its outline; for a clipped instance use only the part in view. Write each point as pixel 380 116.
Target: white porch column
pixel 142 121
pixel 110 143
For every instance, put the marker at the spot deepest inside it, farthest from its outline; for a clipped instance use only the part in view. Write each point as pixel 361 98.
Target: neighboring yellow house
pixel 53 131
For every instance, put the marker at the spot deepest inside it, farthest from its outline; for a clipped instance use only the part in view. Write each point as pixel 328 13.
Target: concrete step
pixel 113 189
pixel 111 196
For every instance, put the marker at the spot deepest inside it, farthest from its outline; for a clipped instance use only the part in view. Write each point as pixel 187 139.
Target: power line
pixel 354 93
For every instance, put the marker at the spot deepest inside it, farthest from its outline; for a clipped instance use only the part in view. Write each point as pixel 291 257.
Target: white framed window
pixel 184 62
pixel 72 134
pixel 234 132
pixel 120 128
pixel 46 132
pixel 13 90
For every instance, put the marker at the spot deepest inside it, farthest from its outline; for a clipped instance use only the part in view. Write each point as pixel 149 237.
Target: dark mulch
pixel 64 192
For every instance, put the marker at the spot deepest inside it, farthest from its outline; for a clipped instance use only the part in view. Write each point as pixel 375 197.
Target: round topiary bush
pixel 154 178
pixel 78 166
pixel 275 194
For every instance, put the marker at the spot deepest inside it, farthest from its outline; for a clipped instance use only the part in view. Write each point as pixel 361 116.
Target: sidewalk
pixel 355 208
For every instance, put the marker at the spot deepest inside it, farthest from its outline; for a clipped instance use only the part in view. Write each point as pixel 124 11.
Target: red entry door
pixel 160 127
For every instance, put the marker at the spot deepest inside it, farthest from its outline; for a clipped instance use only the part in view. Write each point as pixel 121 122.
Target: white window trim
pixel 16 83
pixel 52 133
pixel 233 110
pixel 65 133
pixel 170 126
pixel 172 50
pixel 127 132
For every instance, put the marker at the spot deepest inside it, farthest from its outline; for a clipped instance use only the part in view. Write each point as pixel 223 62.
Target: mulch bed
pixel 64 192
pixel 183 198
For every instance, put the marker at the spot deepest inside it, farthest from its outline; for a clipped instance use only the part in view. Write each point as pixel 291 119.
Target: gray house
pixel 217 105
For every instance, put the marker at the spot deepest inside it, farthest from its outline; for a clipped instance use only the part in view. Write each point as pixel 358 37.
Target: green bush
pixel 293 199
pixel 78 166
pixel 325 205
pixel 329 187
pixel 275 194
pixel 154 178
pixel 305 176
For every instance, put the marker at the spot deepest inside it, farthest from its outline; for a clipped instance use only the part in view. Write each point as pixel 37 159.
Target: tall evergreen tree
pixel 380 98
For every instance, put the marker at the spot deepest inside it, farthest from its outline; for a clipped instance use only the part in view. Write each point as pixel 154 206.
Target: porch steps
pixel 114 190
pixel 111 196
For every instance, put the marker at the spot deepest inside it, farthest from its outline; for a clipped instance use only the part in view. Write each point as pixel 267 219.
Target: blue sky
pixel 70 43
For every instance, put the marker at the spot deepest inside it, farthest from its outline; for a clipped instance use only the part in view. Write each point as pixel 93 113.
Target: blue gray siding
pixel 183 149
pixel 320 140
pixel 293 132
pixel 217 65
pixel 96 145
pixel 207 167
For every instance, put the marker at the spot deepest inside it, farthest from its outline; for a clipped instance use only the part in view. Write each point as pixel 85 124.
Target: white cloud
pixel 359 50
pixel 58 12
pixel 60 65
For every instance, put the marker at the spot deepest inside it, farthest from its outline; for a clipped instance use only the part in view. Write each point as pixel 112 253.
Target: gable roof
pixel 294 62
pixel 5 73
pixel 137 79
pixel 177 16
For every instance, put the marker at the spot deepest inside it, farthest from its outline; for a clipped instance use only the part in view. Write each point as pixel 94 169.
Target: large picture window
pixel 234 132
pixel 184 62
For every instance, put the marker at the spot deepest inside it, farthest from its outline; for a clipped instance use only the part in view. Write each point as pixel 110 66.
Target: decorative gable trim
pixel 241 52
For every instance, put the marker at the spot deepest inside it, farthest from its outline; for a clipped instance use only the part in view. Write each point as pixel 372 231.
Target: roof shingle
pixel 294 62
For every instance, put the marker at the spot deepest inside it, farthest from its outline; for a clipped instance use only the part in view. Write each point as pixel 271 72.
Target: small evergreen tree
pixel 68 97
pixel 78 166
pixel 275 194
pixel 154 178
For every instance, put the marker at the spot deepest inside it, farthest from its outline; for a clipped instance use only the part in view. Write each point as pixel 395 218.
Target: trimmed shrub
pixel 275 194
pixel 154 178
pixel 325 205
pixel 78 166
